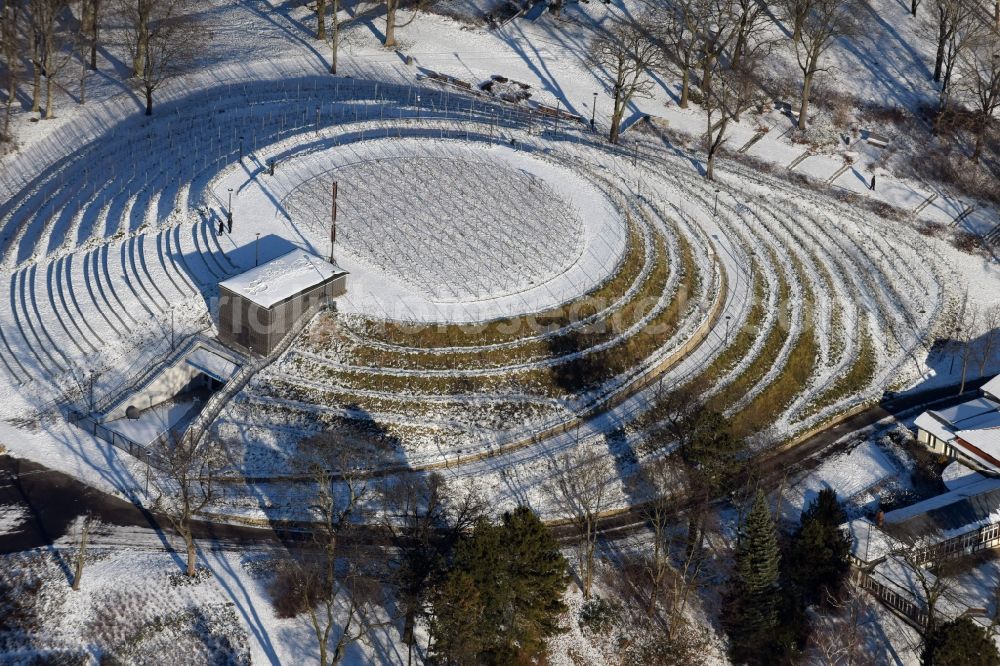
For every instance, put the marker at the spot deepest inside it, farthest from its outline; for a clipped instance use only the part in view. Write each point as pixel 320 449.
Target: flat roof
pixel 992 387
pixel 284 277
pixel 960 415
pixel 212 364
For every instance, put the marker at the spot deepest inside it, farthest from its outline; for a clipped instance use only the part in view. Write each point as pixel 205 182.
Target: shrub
pixel 599 615
pixel 291 595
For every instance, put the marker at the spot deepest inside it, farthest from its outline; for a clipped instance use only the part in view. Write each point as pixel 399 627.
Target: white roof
pixel 928 423
pixel 971 415
pixel 282 278
pixel 992 388
pixel 868 542
pixel 986 440
pixel 969 490
pixel 212 364
pixel 956 475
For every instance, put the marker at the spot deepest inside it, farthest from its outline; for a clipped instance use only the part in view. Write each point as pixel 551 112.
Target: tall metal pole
pixel 593 112
pixel 333 221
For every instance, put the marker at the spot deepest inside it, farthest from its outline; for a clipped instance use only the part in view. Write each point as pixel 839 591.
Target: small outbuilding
pixel 258 308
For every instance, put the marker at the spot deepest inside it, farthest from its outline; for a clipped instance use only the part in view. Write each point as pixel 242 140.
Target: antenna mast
pixel 333 221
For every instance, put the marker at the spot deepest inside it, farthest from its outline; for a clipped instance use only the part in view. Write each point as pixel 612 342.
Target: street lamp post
pixel 715 210
pixel 229 211
pixel 256 251
pixel 728 317
pixel 241 149
pixel 593 112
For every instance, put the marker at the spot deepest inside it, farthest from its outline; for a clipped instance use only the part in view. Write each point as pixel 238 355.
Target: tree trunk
pixel 191 555
pixel 36 86
pixel 321 19
pixel 49 115
pixel 335 37
pixel 83 82
pixel 942 41
pixel 81 554
pixel 616 116
pixel 139 63
pixel 967 352
pixel 11 90
pixel 142 37
pixel 685 87
pixel 94 35
pixel 804 106
pixel 913 7
pixel 706 76
pixel 390 22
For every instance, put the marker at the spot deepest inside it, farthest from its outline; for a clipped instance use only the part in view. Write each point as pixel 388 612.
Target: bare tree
pixel 186 481
pixel 10 51
pixel 90 18
pixel 627 52
pixel 795 12
pixel 334 35
pixel 93 14
pixel 968 335
pixel 50 41
pixel 579 487
pixel 991 332
pixel 80 558
pixel 391 7
pixel 716 36
pixel 980 83
pixel 321 19
pixel 824 22
pixel 136 15
pixel 425 522
pixel 681 24
pixel 958 27
pixel 344 585
pixel 163 40
pixel 733 71
pixel 837 637
pixel 663 480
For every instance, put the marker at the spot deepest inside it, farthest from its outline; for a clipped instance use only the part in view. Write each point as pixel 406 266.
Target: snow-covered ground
pixel 109 247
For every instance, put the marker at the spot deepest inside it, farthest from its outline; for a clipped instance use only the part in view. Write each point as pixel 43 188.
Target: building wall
pixel 260 329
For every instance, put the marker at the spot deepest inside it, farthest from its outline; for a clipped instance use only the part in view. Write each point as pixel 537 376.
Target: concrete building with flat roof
pixel 258 308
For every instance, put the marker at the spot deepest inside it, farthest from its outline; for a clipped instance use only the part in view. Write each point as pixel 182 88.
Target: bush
pixel 599 615
pixel 291 595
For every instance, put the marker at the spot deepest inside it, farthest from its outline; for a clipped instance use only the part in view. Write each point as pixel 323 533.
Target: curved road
pixel 50 501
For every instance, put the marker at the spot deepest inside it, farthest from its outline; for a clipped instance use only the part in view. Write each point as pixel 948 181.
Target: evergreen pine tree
pixel 754 606
pixel 818 556
pixel 960 642
pixel 502 596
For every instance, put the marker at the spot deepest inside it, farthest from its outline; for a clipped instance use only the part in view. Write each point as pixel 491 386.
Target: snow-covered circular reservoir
pixel 436 230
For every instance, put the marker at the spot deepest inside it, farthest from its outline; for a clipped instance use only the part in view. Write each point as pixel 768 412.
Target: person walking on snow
pixel 872 186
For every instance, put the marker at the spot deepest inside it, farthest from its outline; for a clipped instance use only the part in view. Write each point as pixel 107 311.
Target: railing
pixel 147 377
pixel 133 448
pixel 142 378
pixel 214 406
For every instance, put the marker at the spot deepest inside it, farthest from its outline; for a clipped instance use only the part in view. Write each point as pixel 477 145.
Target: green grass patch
pixel 857 378
pixel 570 377
pixel 511 329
